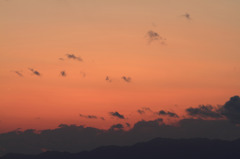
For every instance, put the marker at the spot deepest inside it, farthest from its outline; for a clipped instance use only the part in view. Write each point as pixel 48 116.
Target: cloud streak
pixel 167 113
pixel 91 117
pixel 35 72
pixel 127 79
pixel 154 36
pixel 74 57
pixel 18 73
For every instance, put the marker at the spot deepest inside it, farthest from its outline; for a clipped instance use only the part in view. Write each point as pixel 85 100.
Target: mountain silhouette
pixel 158 148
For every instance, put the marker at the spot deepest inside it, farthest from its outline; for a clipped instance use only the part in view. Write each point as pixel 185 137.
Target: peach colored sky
pixel 198 65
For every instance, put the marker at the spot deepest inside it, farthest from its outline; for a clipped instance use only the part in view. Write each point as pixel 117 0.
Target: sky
pixel 89 62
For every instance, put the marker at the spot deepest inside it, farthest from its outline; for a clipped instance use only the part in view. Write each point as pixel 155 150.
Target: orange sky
pixel 198 65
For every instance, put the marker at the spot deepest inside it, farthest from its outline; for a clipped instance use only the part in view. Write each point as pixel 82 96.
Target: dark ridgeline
pixel 159 148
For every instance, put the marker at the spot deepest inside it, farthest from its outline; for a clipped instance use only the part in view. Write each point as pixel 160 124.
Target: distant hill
pixel 159 148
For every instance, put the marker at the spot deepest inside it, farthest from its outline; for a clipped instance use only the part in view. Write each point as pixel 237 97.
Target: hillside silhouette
pixel 158 148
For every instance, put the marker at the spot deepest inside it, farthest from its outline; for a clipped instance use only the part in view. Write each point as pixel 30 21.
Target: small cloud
pixel 118 115
pixel 63 73
pixel 72 56
pixel 35 72
pixel 167 113
pixel 61 59
pixel 154 36
pixel 126 79
pixel 108 79
pixel 18 73
pixel 187 16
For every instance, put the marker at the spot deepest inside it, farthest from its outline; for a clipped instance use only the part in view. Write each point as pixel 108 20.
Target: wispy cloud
pixel 35 72
pixel 18 73
pixel 88 116
pixel 74 57
pixel 126 79
pixel 91 117
pixel 187 16
pixel 116 114
pixel 154 36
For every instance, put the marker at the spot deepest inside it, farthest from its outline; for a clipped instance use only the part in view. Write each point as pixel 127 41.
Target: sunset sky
pixel 178 54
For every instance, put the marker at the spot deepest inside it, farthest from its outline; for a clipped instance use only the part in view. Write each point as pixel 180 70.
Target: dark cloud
pixel 187 16
pixel 63 74
pixel 204 111
pixel 74 138
pixel 108 79
pixel 126 79
pixel 154 36
pixel 18 73
pixel 117 127
pixel 116 114
pixel 72 56
pixel 231 109
pixel 35 72
pixel 61 59
pixel 167 113
pixel 144 124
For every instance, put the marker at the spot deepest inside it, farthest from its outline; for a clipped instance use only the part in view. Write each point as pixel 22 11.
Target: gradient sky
pixel 198 64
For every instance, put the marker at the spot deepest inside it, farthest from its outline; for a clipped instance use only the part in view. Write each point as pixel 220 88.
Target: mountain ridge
pixel 194 148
